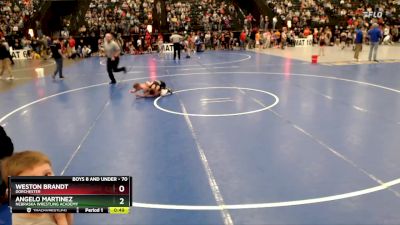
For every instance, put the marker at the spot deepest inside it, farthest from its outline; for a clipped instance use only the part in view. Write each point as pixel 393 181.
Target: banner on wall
pixel 168 48
pixel 19 54
pixel 303 42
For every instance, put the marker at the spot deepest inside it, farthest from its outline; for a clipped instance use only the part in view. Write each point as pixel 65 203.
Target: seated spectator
pixel 86 51
pixel 387 40
pixel 6 149
pixel 32 163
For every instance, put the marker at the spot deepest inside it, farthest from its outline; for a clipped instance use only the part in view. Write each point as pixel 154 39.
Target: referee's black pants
pixel 112 66
pixel 177 48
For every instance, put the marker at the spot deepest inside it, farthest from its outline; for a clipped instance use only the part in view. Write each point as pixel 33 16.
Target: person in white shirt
pixel 176 40
pixel 387 40
pixel 274 21
pixel 113 52
pixel 86 51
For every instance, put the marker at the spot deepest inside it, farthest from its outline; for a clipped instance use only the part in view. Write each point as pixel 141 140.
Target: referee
pixel 112 51
pixel 176 40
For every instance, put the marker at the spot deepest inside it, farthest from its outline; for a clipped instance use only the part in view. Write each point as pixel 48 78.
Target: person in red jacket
pixel 243 37
pixel 306 32
pixel 71 47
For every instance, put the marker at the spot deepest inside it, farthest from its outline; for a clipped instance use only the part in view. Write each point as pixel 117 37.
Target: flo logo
pixel 378 14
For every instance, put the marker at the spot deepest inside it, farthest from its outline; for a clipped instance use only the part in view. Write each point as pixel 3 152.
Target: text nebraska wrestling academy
pixel 36 188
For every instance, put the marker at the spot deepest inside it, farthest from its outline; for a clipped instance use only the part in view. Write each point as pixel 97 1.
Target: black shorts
pixel 160 83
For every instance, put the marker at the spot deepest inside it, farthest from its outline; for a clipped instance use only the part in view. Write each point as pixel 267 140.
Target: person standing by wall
pixel 250 20
pixel 283 38
pixel 257 38
pixel 242 39
pixel 5 61
pixel 395 33
pixel 71 47
pixel 113 52
pixel 262 22
pixel 160 43
pixel 322 39
pixel 274 21
pixel 176 40
pixel 358 43
pixel 375 36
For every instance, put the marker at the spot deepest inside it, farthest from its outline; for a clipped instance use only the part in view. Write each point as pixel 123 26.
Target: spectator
pixel 207 40
pixel 6 144
pixel 274 21
pixel 5 60
pixel 32 163
pixel 71 47
pixel 307 32
pixel 395 33
pixel 387 40
pixel 14 14
pixel 257 39
pixel 5 43
pixel 262 22
pixel 250 20
pixel 87 51
pixel 322 39
pixel 243 37
pixel 7 149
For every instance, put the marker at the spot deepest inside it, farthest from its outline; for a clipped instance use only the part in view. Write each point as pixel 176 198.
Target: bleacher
pixel 332 9
pixel 14 16
pixel 122 16
pixel 204 16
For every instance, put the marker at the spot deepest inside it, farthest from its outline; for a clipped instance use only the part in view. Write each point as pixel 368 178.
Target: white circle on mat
pixel 247 57
pixel 219 115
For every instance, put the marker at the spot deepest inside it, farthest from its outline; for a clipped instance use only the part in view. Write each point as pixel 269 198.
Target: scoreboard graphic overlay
pixel 70 194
